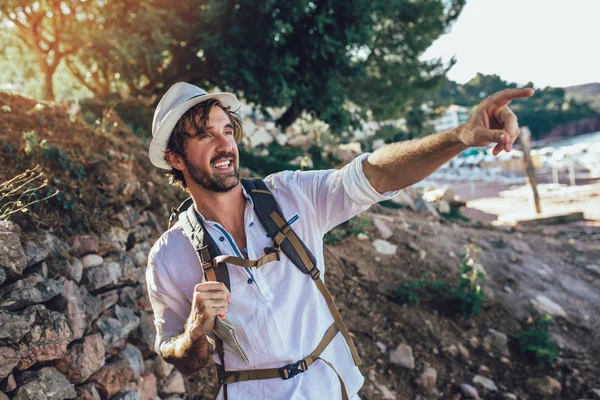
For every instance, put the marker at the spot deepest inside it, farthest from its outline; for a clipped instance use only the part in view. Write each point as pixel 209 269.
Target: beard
pixel 220 183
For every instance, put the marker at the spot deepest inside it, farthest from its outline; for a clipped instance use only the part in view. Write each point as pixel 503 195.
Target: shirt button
pixel 251 223
pixel 250 281
pixel 221 238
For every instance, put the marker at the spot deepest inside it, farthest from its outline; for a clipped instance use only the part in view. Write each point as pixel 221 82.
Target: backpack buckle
pixel 277 250
pixel 314 273
pixel 291 370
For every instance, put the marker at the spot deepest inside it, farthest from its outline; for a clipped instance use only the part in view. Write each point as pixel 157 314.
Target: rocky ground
pixel 75 320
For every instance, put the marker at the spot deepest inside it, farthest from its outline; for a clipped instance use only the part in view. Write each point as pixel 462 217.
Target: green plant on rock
pixel 358 224
pixel 334 236
pixel 406 293
pixel 539 342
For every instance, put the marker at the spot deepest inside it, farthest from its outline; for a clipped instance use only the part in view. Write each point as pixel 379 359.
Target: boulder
pixel 260 137
pixel 115 330
pixel 46 383
pixel 92 260
pixel 496 341
pixel 115 240
pixel 146 333
pixel 108 299
pixel 403 356
pixel 87 392
pixel 159 367
pixel 85 244
pixel 385 247
pixel 426 207
pixel 15 325
pixel 281 139
pixel 46 340
pixel 71 302
pixel 545 386
pixel 133 356
pixel 111 378
pixel 487 384
pixel 12 255
pixel 302 141
pixel 30 290
pixel 131 395
pixel 102 276
pixel 172 384
pixel 148 389
pixel 546 306
pixel 384 231
pixel 83 359
pixel 9 358
pixel 35 252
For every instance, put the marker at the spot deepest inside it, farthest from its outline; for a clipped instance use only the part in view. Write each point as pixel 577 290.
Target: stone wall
pixel 75 319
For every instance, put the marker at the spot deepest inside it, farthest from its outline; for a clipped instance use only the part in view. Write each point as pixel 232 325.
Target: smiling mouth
pixel 223 165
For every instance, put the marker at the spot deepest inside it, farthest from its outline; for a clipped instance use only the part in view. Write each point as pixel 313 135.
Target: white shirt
pixel 279 314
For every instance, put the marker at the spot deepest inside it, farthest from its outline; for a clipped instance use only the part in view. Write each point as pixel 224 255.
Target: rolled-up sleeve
pixel 357 184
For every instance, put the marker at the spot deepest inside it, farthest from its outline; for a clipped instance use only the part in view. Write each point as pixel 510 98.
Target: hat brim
pixel 159 142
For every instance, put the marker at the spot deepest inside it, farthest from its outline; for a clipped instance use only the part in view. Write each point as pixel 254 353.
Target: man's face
pixel 211 157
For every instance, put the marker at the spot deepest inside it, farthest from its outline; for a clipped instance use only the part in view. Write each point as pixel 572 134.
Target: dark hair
pixel 197 118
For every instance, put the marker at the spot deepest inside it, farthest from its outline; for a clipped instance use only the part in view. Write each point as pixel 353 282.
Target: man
pixel 279 314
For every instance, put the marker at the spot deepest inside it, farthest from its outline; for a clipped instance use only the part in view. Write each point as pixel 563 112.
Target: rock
pixel 46 383
pixel 386 393
pixel 442 206
pixel 403 356
pixel 85 244
pixel 425 207
pixel 30 290
pixel 160 367
pixel 47 340
pixel 381 346
pixel 3 396
pixel 127 296
pixel 281 139
pixel 384 231
pixel 594 269
pixel 132 395
pixel 172 384
pixel 385 247
pixel 451 350
pixel 70 269
pixel 474 342
pixel 300 141
pixel 546 306
pixel 138 254
pixel 83 359
pixel 260 137
pixel 92 260
pixel 92 307
pixel 9 384
pixel 148 389
pixel 115 330
pixel 496 341
pixel 134 358
pixel 12 255
pixel 9 226
pixel 520 247
pixel 35 252
pixel 15 326
pixel 72 303
pixel 485 371
pixel 545 387
pixel 2 276
pixel 413 246
pixel 429 378
pixel 469 391
pixel 9 358
pixel 108 299
pixel 464 352
pixel 129 217
pixel 101 276
pixel 404 199
pixel 111 378
pixel 595 393
pixel 87 392
pixel 509 396
pixel 362 236
pixel 485 383
pixel 113 241
pixel 146 334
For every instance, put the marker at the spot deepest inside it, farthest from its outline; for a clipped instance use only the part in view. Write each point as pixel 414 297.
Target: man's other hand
pixel 210 300
pixel 494 122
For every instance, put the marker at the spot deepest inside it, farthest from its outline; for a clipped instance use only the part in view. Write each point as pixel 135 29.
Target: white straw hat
pixel 179 98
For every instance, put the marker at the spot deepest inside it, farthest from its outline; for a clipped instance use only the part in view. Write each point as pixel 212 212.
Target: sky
pixel 548 42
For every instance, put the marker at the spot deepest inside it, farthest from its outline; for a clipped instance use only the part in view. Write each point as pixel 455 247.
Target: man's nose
pixel 224 142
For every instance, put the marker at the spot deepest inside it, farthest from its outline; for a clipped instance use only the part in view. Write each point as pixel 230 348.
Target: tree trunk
pixel 47 88
pixel 289 116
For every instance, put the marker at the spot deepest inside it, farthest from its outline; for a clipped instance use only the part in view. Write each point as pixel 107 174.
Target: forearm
pixel 186 354
pixel 402 164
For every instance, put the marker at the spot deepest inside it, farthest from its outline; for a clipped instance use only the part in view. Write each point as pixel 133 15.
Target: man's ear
pixel 175 160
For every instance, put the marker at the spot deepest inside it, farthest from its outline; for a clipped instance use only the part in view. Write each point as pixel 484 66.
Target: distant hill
pixel 588 93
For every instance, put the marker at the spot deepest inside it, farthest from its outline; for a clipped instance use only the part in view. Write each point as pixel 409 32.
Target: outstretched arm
pixel 399 165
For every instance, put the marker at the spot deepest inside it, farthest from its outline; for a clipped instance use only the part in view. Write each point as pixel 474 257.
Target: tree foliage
pixel 319 56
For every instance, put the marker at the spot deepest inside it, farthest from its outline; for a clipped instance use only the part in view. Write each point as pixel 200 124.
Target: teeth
pixel 222 164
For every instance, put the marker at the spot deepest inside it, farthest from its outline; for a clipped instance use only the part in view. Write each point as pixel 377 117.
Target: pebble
pixel 403 356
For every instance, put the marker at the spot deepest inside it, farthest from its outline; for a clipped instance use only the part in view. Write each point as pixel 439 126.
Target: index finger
pixel 503 97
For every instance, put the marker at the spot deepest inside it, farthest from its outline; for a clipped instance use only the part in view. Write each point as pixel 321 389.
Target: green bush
pixel 406 293
pixel 334 236
pixel 539 342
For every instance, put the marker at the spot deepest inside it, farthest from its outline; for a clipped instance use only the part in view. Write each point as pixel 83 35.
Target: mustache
pixel 224 156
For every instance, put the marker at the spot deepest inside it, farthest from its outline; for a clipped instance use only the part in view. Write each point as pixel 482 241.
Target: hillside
pixel 75 318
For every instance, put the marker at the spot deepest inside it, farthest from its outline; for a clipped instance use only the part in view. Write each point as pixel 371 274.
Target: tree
pixel 49 28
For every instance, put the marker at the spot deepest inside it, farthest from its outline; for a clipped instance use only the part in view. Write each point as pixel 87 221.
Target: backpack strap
pixel 283 235
pixel 204 245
